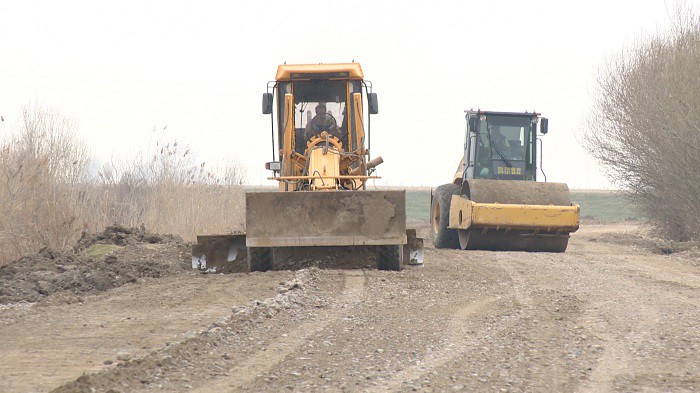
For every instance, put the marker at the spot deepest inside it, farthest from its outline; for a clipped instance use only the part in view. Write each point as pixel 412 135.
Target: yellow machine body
pixel 350 71
pixel 466 214
pixel 494 201
pixel 322 165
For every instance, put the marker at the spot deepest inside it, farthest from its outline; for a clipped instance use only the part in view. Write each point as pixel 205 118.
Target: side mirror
pixel 544 125
pixel 267 103
pixel 373 103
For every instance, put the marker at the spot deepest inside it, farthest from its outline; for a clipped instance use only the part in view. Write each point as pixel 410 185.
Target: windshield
pixel 319 105
pixel 503 143
pixel 509 136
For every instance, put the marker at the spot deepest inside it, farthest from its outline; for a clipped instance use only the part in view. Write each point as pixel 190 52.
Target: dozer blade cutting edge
pixel 279 221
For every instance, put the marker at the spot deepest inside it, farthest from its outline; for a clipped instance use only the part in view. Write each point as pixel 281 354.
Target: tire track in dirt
pixel 550 313
pixel 614 359
pixel 457 339
pixel 261 362
pixel 619 317
pixel 460 336
pixel 628 317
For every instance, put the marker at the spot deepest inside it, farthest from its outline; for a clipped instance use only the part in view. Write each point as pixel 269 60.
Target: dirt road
pixel 608 315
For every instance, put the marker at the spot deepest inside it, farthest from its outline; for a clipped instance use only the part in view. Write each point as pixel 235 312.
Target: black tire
pixel 390 257
pixel 259 259
pixel 442 236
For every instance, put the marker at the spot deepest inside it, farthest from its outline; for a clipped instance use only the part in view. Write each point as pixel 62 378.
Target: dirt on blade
pixel 348 257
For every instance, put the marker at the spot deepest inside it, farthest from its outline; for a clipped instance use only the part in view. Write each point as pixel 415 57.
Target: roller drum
pixel 514 192
pixel 519 192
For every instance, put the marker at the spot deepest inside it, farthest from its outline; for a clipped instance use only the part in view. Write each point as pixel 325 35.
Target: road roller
pixel 321 209
pixel 495 201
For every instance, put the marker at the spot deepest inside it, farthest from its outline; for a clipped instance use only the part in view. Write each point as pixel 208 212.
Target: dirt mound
pixel 123 236
pixel 655 245
pixel 98 262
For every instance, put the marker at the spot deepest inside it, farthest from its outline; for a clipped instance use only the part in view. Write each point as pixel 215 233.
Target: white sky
pixel 121 69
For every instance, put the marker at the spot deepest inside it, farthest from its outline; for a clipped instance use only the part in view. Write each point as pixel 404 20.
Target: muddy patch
pixel 97 263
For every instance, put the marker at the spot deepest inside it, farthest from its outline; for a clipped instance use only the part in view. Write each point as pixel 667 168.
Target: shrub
pixel 645 126
pixel 48 195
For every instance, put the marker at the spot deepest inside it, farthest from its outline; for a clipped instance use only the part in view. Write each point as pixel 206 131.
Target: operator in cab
pixel 323 121
pixel 497 139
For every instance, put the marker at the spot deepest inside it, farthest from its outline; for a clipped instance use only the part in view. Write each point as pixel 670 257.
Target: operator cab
pixel 501 145
pixel 319 105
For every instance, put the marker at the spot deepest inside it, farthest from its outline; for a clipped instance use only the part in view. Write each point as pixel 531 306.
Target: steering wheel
pixel 317 126
pixel 326 124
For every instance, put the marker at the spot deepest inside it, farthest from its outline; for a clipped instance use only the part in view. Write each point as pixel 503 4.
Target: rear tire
pixel 442 236
pixel 259 259
pixel 390 257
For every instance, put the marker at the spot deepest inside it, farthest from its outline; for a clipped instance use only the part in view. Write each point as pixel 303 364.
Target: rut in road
pixel 264 361
pixel 625 325
pixel 457 337
pixel 515 322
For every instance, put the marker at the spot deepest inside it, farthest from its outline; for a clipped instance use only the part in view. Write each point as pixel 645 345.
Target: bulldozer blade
pixel 342 218
pixel 413 249
pixel 220 254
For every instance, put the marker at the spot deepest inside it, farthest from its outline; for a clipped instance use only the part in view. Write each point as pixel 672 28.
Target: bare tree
pixel 645 126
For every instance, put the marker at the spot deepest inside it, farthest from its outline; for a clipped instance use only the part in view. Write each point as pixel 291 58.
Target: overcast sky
pixel 122 69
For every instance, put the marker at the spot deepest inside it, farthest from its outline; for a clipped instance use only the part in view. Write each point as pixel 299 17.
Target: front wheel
pixel 443 237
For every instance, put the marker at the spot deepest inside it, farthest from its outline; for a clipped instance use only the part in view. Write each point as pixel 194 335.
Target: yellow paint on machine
pixel 288 138
pixel 324 163
pixel 286 72
pixel 465 214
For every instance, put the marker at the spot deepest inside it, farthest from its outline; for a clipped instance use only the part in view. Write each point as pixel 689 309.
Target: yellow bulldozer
pixel 321 161
pixel 494 201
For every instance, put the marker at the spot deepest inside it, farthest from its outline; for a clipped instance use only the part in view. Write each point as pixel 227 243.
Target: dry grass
pixel 184 210
pixel 49 195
